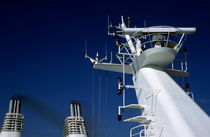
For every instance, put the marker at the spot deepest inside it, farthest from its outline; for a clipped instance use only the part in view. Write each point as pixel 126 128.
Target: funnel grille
pixel 74 125
pixel 13 122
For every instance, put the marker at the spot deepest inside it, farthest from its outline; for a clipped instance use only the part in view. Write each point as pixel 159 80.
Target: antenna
pixel 105 58
pixel 129 22
pixel 122 19
pixel 123 24
pixel 145 23
pixel 105 51
pixel 108 25
pixel 135 24
pixel 97 56
pixel 142 52
pixel 110 57
pixel 86 54
pixel 86 49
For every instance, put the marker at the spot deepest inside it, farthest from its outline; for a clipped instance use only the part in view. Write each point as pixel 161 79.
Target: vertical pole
pixel 182 66
pixel 18 106
pixel 11 106
pixel 172 65
pixel 185 62
pixel 119 110
pixel 78 110
pixel 111 58
pixel 145 131
pixel 75 110
pixel 186 66
pixel 123 79
pixel 167 39
pixel 72 110
pixel 14 106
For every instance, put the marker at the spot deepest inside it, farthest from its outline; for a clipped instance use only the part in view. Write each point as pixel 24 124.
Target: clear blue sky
pixel 42 58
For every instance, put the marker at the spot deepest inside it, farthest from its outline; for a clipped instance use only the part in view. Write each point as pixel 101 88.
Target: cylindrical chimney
pixel 11 106
pixel 13 121
pixel 17 106
pixel 72 110
pixel 75 125
pixel 78 110
pixel 14 106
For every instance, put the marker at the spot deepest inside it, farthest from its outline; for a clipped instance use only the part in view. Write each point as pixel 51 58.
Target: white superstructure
pixel 75 125
pixel 13 121
pixel 166 109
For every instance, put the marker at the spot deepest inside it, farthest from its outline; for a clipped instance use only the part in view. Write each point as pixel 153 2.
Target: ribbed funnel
pixel 13 121
pixel 75 125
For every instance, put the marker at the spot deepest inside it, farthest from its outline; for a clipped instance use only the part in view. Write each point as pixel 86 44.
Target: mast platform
pixel 133 106
pixel 140 119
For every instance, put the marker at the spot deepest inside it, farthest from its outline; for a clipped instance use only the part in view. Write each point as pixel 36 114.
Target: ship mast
pixel 146 53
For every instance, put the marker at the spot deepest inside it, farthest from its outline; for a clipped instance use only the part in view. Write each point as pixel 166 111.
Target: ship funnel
pixel 14 106
pixel 74 125
pixel 13 121
pixel 75 110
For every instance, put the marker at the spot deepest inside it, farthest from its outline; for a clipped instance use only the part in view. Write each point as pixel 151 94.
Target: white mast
pixel 13 121
pixel 166 109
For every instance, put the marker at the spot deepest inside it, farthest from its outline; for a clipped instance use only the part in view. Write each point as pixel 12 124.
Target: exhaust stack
pixel 75 125
pixel 13 121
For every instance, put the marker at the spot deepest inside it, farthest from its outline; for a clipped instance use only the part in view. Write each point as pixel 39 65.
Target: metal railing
pixel 169 40
pixel 140 133
pixel 179 62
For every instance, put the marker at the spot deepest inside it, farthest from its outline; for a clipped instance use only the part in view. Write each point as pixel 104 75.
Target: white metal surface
pixel 10 134
pixel 168 110
pixel 159 29
pixel 74 125
pixel 13 121
pixel 114 67
pixel 133 106
pixel 139 119
pixel 172 108
pixel 159 57
pixel 77 135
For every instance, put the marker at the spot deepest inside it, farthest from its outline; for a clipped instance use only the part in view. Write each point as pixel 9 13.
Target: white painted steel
pixel 77 135
pixel 128 38
pixel 13 121
pixel 78 110
pixel 72 111
pixel 169 110
pixel 159 30
pixel 74 125
pixel 155 57
pixel 10 106
pixel 138 47
pixel 114 67
pixel 10 134
pixel 175 114
pixel 130 44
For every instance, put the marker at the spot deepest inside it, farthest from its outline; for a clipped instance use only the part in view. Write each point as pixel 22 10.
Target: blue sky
pixel 42 57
